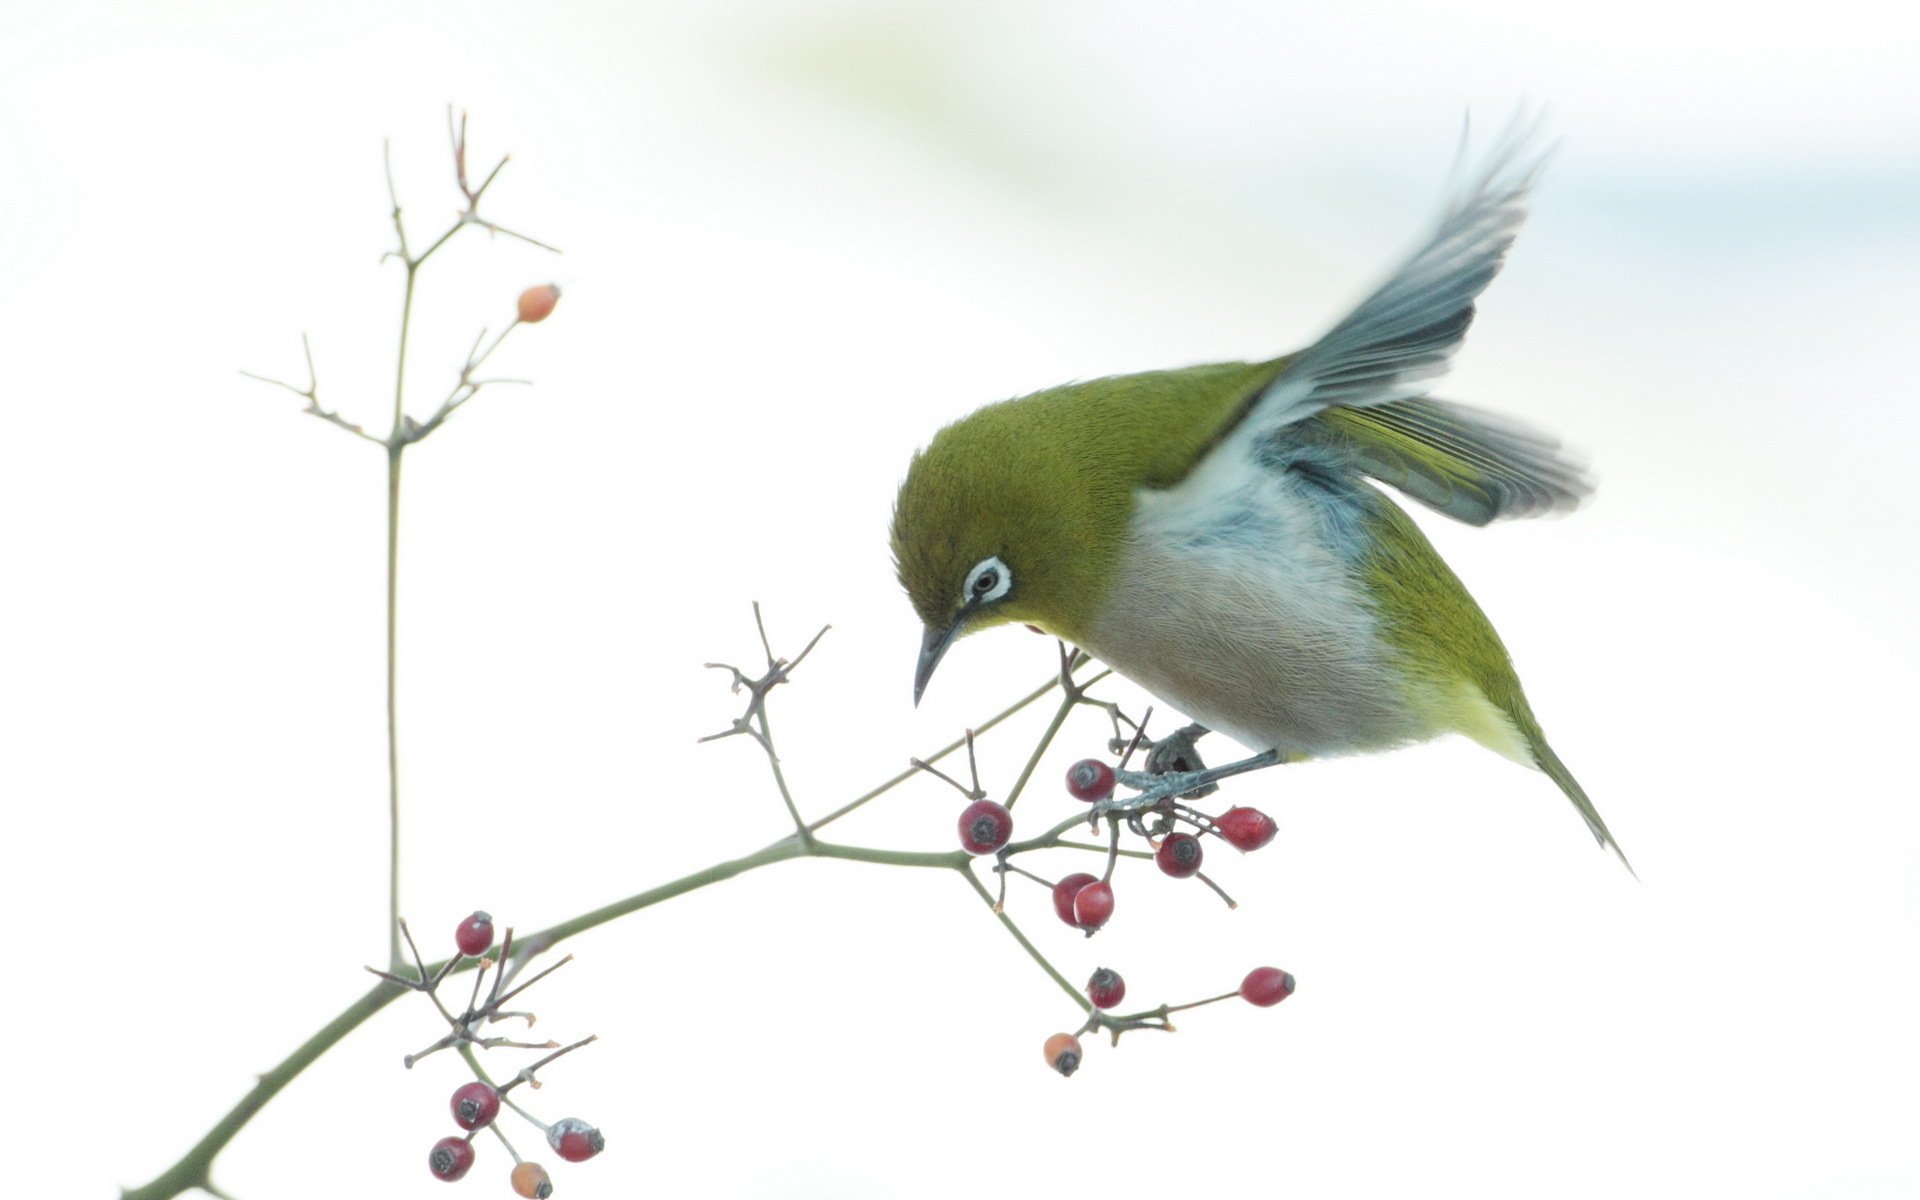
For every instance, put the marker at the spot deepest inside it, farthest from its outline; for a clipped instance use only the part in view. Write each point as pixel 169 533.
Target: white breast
pixel 1238 603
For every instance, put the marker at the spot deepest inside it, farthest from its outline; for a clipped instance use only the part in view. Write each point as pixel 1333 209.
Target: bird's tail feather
pixel 1556 770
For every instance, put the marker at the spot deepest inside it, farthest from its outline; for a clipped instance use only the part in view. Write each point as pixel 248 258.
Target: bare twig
pixel 753 722
pixel 311 394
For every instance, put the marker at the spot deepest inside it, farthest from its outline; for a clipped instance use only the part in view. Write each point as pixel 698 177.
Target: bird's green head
pixel 1008 515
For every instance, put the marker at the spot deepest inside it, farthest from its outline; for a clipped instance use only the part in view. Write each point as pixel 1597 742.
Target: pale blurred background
pixel 798 238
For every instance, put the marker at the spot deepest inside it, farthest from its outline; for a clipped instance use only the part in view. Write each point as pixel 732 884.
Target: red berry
pixel 530 1180
pixel 574 1139
pixel 985 827
pixel 451 1158
pixel 536 303
pixel 1066 890
pixel 1179 855
pixel 1246 828
pixel 1090 780
pixel 1063 1053
pixel 1093 905
pixel 1266 986
pixel 1106 989
pixel 474 935
pixel 475 1105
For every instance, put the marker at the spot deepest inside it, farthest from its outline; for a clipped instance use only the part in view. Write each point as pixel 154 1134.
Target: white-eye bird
pixel 1211 534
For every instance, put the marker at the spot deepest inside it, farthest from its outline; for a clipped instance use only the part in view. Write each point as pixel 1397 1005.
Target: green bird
pixel 1211 532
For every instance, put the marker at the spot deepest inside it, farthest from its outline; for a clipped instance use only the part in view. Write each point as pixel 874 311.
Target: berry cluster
pixel 1086 901
pixel 475 1105
pixel 1175 834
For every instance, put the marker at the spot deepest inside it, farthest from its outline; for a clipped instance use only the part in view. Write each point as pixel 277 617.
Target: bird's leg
pixel 1177 753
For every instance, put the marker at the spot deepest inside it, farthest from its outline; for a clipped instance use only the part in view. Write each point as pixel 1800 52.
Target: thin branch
pixel 526 1074
pixel 1032 950
pixel 311 394
pixel 753 722
pixel 875 793
pixel 1071 696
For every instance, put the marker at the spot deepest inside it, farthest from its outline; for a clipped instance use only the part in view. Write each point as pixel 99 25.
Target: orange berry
pixel 536 303
pixel 1063 1053
pixel 530 1180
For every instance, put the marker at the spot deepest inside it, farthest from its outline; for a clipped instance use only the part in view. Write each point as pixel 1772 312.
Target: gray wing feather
pixel 1403 335
pixel 1470 464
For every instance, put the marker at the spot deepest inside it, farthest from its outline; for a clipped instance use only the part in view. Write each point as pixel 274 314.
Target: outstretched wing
pixel 1357 398
pixel 1472 465
pixel 1401 337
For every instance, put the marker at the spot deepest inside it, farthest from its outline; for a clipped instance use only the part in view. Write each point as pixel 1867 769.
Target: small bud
pixel 1246 828
pixel 474 935
pixel 1093 905
pixel 984 827
pixel 451 1158
pixel 1063 1053
pixel 1179 855
pixel 530 1180
pixel 574 1139
pixel 1066 890
pixel 1266 986
pixel 475 1105
pixel 536 303
pixel 1106 989
pixel 1090 780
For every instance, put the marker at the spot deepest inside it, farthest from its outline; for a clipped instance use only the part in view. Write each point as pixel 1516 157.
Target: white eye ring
pixel 988 581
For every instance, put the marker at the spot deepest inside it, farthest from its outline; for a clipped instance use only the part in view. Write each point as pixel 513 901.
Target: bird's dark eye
pixel 985 582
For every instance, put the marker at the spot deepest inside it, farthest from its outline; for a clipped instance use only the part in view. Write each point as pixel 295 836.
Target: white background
pixel 798 238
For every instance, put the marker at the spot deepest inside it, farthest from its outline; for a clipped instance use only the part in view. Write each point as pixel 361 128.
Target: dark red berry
pixel 985 827
pixel 1092 905
pixel 1090 780
pixel 451 1158
pixel 1106 989
pixel 1063 1053
pixel 1266 986
pixel 475 1105
pixel 474 935
pixel 574 1139
pixel 1066 890
pixel 1179 855
pixel 1246 828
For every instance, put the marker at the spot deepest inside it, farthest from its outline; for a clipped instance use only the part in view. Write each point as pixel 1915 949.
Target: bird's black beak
pixel 933 647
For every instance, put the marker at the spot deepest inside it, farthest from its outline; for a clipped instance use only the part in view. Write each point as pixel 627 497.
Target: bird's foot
pixel 1153 788
pixel 1176 754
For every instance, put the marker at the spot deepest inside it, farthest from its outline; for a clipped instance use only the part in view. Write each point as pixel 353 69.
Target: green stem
pixel 394 451
pixel 1067 704
pixel 956 860
pixel 780 779
pixel 1046 739
pixel 396 448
